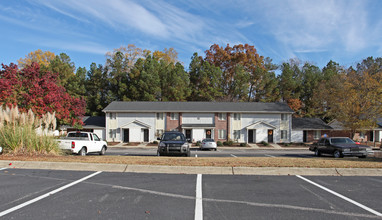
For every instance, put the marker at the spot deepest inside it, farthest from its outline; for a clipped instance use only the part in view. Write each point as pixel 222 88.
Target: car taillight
pixel 73 144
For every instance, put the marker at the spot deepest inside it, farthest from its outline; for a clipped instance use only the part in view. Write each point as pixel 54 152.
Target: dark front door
pixel 126 135
pixel 188 135
pixel 145 135
pixel 250 136
pixel 304 136
pixel 270 136
pixel 208 133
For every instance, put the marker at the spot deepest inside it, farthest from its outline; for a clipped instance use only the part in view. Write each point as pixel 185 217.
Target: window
pixel 222 116
pixel 316 135
pixel 236 134
pixel 236 116
pixel 96 138
pixel 112 133
pixel 284 134
pixel 174 116
pixel 159 133
pixel 112 116
pixel 284 117
pixel 159 116
pixel 222 134
pixel 361 135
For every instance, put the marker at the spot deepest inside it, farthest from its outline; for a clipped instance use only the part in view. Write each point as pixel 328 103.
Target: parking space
pixel 296 153
pixel 174 196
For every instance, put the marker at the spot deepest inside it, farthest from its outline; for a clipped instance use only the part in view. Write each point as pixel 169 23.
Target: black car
pixel 173 143
pixel 340 147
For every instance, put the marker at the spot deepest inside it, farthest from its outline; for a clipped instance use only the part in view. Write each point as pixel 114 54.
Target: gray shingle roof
pixel 94 121
pixel 309 124
pixel 243 107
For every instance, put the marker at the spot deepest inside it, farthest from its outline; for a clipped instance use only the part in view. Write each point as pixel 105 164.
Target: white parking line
pixel 3 168
pixel 199 199
pixel 269 155
pixel 342 197
pixel 233 155
pixel 196 155
pixel 47 194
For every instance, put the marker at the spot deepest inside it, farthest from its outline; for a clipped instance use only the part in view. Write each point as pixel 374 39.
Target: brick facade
pixel 220 124
pixel 172 124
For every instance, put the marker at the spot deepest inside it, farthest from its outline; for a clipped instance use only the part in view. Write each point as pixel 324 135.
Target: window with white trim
pixel 222 116
pixel 284 134
pixel 159 133
pixel 284 117
pixel 112 133
pixel 236 116
pixel 236 134
pixel 112 116
pixel 160 116
pixel 316 135
pixel 222 134
pixel 174 116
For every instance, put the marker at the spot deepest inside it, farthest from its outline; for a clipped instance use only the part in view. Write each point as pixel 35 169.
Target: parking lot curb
pixel 191 169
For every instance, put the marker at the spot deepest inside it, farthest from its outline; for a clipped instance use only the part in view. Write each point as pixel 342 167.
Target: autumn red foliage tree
pixel 37 88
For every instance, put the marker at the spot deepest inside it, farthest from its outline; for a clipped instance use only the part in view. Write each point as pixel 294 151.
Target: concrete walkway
pixel 191 169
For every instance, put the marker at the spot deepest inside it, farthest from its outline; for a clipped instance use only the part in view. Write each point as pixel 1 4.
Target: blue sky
pixel 316 31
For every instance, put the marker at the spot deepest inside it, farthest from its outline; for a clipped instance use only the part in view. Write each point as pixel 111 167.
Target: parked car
pixel 82 143
pixel 340 147
pixel 208 143
pixel 173 143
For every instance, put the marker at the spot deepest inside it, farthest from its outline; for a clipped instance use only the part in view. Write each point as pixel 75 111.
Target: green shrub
pixel 197 143
pixel 228 143
pixel 219 143
pixel 155 142
pixel 243 144
pixel 264 143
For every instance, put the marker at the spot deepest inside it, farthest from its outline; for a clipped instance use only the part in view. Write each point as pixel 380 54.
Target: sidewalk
pixel 190 169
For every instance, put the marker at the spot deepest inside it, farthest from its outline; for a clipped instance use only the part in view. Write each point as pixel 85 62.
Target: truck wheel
pixel 337 154
pixel 82 152
pixel 103 151
pixel 317 153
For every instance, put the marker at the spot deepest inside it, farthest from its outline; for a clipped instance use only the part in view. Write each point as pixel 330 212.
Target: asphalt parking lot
pixel 55 194
pixel 297 153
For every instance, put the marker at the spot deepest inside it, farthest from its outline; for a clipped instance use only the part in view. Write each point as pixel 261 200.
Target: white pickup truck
pixel 82 143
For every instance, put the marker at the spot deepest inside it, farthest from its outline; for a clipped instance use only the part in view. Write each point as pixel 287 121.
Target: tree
pixel 37 88
pixel 290 84
pixel 355 98
pixel 97 90
pixel 41 57
pixel 168 55
pixel 237 63
pixel 175 82
pixel 311 79
pixel 144 80
pixel 205 80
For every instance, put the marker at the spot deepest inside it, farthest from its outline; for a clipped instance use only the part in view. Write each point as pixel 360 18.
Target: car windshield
pixel 342 140
pixel 208 140
pixel 173 137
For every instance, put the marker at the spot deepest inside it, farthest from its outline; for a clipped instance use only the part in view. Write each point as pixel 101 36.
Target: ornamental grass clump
pixel 18 132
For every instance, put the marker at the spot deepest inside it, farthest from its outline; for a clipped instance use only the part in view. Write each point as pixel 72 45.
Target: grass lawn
pixel 320 162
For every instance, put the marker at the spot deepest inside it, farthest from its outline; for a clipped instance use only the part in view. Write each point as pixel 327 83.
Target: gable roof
pixel 240 107
pixel 251 126
pixel 309 124
pixel 136 122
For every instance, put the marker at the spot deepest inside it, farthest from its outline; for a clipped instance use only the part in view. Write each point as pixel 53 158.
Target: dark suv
pixel 173 143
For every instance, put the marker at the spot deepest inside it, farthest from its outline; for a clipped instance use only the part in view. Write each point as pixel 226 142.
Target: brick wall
pixel 172 124
pixel 220 124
